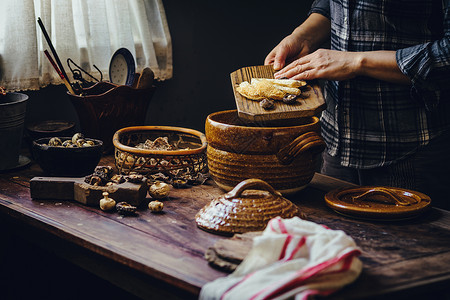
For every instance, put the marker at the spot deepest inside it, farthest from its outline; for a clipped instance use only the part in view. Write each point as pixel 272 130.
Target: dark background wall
pixel 210 40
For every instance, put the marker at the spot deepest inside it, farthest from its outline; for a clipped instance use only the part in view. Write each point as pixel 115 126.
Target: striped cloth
pixel 292 257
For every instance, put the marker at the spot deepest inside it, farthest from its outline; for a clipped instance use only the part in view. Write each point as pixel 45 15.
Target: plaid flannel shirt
pixel 369 122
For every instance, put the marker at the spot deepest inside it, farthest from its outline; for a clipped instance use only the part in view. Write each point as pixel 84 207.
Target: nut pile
pixel 103 176
pixel 161 143
pixel 77 140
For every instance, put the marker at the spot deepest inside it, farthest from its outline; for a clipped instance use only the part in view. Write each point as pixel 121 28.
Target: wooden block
pixel 74 188
pixel 54 188
pixel 131 193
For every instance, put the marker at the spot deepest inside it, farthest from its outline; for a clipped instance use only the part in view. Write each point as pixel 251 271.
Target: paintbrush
pixel 49 42
pixel 61 75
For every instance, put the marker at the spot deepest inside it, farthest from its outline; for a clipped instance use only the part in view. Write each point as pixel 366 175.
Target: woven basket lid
pixel 248 207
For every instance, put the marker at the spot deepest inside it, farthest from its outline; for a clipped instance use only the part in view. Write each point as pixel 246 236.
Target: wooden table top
pixel 167 250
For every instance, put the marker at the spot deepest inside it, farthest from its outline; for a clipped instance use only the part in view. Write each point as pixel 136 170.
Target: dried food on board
pixel 274 89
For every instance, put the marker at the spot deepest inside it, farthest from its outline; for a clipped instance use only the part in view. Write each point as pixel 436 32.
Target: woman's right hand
pixel 288 50
pixel 305 39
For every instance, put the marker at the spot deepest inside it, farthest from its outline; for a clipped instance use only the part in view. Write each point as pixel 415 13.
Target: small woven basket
pixel 190 161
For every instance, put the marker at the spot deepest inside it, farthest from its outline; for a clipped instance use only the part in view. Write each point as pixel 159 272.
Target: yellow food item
pixel 292 83
pixel 276 89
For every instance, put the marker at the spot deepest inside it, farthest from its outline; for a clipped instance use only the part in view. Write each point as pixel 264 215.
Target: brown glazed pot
pixel 286 156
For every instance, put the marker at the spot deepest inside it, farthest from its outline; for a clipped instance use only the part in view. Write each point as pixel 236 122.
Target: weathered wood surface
pixel 227 254
pixel 398 256
pixel 310 103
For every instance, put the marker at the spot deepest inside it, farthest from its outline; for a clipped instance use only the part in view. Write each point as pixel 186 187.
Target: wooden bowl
pixel 67 162
pixel 286 156
pixel 190 161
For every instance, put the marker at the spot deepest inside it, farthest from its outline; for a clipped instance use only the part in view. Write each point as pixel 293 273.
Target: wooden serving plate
pixel 378 203
pixel 309 104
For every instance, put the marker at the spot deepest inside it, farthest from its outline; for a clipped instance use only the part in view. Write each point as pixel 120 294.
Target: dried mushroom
pixel 100 177
pixel 161 144
pixel 179 183
pixel 134 178
pixel 267 104
pixel 104 169
pixel 155 206
pixel 159 177
pixel 118 179
pixel 93 180
pixel 125 209
pixel 290 98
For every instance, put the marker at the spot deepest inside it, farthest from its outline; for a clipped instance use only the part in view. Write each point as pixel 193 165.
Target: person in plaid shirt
pixel 387 89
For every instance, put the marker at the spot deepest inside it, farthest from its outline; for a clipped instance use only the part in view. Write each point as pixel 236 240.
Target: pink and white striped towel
pixel 293 258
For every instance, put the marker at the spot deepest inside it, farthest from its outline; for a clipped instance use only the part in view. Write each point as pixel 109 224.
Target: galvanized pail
pixel 12 119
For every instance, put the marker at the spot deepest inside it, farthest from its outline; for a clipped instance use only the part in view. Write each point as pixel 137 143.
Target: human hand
pixel 288 50
pixel 323 64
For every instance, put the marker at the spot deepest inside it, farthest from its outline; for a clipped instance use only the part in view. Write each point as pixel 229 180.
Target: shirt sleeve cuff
pixel 415 63
pixel 321 7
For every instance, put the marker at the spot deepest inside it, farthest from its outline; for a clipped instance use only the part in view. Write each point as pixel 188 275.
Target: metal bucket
pixel 12 119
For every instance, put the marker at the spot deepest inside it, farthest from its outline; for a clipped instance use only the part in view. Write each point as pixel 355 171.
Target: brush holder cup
pixel 104 108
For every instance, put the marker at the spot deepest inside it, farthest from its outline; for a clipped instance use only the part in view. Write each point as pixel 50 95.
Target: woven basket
pixel 173 163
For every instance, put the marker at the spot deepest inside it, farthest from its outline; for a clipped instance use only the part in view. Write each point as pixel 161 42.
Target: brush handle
pixel 49 42
pixel 61 75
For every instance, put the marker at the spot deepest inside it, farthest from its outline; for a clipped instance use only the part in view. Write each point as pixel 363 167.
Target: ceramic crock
pixel 248 207
pixel 286 156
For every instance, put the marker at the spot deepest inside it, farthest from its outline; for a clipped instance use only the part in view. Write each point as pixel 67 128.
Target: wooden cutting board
pixel 309 104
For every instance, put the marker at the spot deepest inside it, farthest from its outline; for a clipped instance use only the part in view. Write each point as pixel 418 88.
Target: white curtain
pixel 86 31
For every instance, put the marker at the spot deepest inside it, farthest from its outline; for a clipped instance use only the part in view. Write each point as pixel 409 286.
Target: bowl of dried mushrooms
pixel 174 152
